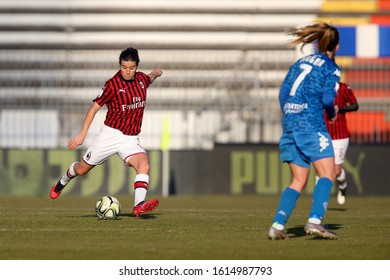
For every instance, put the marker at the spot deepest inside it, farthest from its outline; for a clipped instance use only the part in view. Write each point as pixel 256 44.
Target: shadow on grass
pixel 144 216
pixel 338 209
pixel 297 231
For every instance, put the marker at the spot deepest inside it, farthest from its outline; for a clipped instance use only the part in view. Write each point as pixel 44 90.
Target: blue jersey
pixel 308 89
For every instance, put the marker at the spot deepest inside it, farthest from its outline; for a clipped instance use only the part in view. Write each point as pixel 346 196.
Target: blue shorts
pixel 302 148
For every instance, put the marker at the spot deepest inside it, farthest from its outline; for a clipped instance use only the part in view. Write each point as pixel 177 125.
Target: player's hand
pixel 157 72
pixel 75 142
pixel 332 120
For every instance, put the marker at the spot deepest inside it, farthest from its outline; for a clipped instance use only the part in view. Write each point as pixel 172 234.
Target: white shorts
pixel 112 141
pixel 340 147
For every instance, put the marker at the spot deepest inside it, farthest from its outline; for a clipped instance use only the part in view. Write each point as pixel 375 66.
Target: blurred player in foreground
pixel 345 101
pixel 125 97
pixel 308 89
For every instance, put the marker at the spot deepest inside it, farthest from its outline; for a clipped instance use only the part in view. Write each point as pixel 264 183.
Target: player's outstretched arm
pixel 79 139
pixel 157 72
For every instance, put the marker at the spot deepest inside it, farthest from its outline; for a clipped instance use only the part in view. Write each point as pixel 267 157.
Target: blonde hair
pixel 325 35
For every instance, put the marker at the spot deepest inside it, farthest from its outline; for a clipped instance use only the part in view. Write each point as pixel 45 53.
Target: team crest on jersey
pixel 142 84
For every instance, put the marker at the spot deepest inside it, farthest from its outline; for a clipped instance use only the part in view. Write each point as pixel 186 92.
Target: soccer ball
pixel 108 208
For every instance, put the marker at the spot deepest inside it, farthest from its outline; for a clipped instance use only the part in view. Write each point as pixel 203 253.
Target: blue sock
pixel 320 198
pixel 287 204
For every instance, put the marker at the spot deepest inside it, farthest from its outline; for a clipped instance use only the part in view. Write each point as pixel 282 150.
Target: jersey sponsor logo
pixel 137 103
pixel 294 108
pixel 323 141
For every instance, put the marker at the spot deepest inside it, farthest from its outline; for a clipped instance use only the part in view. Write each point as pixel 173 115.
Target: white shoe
pixel 319 230
pixel 341 197
pixel 275 234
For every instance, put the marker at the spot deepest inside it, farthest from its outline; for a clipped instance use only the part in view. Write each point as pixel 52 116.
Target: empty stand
pixel 29 128
pixel 223 63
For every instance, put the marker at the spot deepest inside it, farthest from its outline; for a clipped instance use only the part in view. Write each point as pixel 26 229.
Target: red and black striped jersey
pixel 344 97
pixel 125 101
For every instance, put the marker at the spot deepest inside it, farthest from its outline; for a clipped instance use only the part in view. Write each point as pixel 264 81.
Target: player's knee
pixel 298 183
pixel 144 168
pixel 330 174
pixel 81 170
pixel 332 177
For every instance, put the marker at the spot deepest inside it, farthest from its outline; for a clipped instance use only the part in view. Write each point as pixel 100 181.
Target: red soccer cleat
pixel 56 190
pixel 144 207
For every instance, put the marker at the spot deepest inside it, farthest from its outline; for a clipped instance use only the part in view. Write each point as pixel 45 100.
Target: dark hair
pixel 326 35
pixel 129 54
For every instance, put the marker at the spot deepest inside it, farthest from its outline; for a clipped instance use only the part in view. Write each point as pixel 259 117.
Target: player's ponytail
pixel 325 35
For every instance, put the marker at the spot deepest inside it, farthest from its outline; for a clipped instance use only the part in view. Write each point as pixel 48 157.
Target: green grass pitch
pixel 189 228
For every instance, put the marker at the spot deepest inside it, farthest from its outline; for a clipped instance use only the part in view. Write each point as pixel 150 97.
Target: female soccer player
pixel 308 89
pixel 125 97
pixel 345 102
